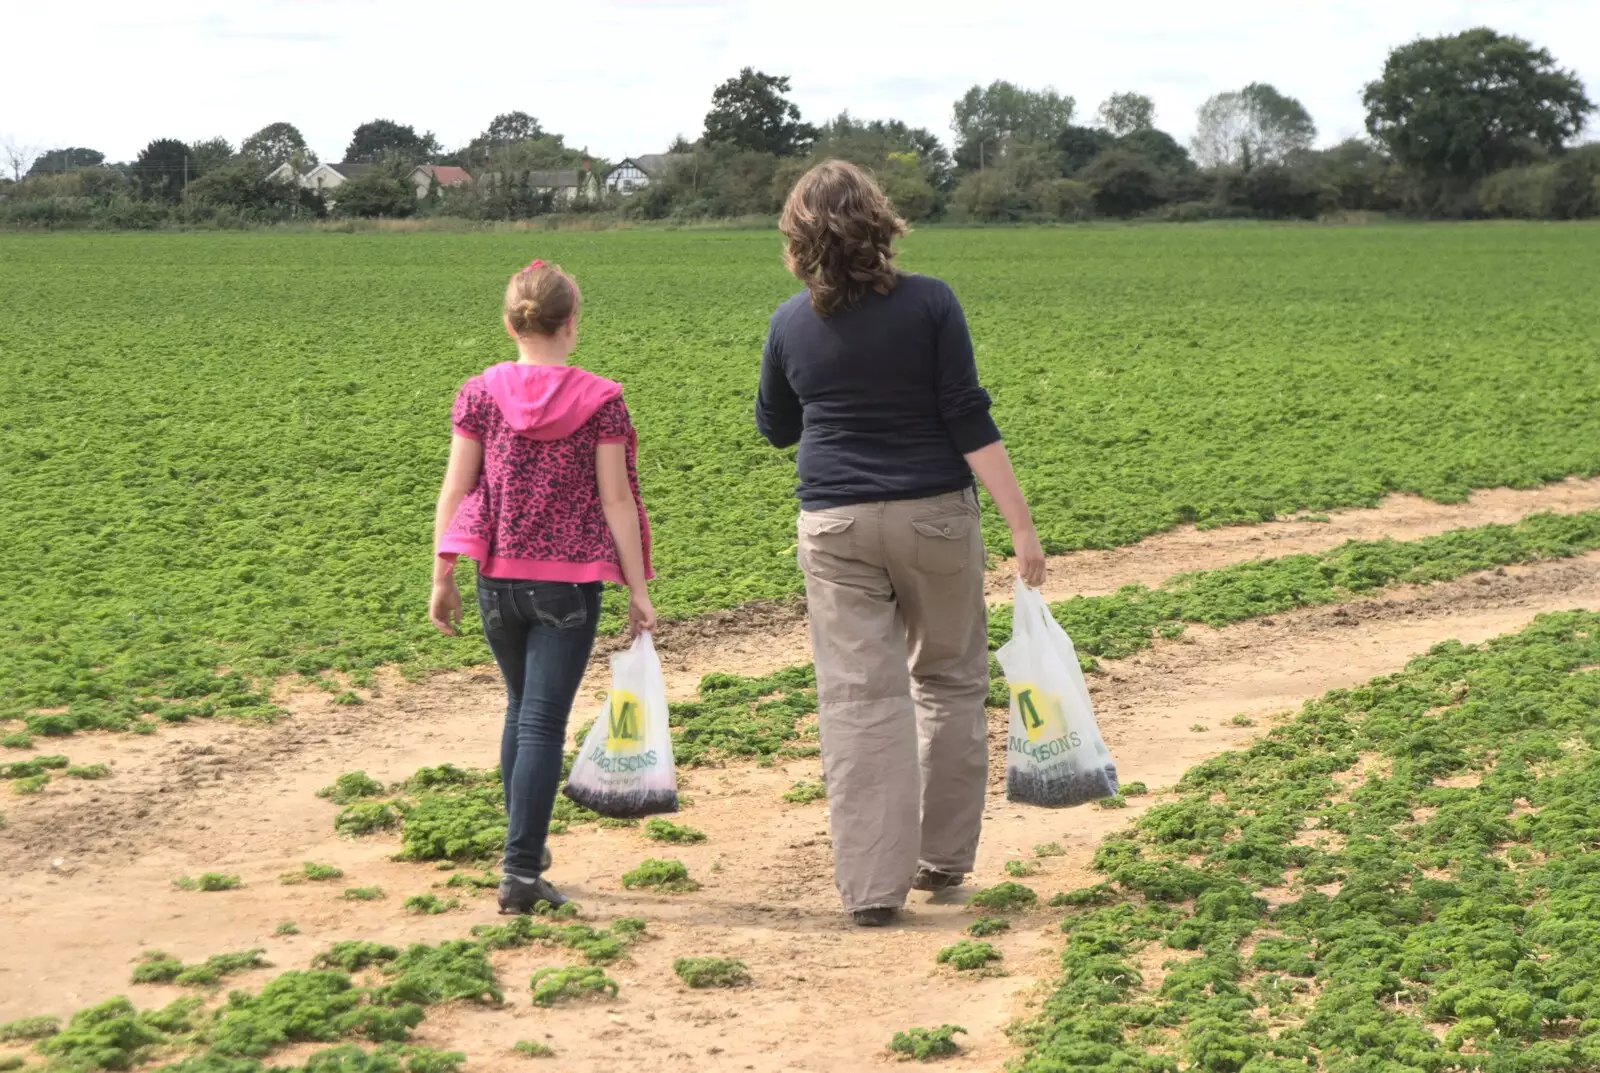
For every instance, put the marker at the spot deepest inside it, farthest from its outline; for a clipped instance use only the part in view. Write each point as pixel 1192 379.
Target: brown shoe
pixel 876 917
pixel 933 879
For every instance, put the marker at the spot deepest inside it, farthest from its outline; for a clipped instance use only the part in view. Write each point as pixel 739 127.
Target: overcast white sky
pixel 623 76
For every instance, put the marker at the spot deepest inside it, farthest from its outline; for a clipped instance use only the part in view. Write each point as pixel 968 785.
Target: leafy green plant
pixel 556 985
pixel 465 880
pixel 1004 898
pixel 208 881
pixel 365 817
pixel 312 872
pixel 660 830
pixel 12 1061
pixel 668 876
pixel 749 717
pixel 32 767
pixel 30 1028
pixel 1274 421
pixel 1115 801
pixel 88 771
pixel 362 894
pixel 1427 928
pixel 287 927
pixel 806 791
pixel 17 740
pixel 1022 869
pixel 351 787
pixel 968 955
pixel 1242 720
pixel 157 967
pixel 31 784
pixel 926 1044
pixel 711 972
pixel 111 1035
pixel 986 926
pixel 429 904
pixel 353 955
pixel 531 1049
pixel 1049 849
pixel 1134 789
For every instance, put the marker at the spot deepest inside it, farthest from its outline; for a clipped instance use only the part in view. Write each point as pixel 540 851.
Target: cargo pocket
pixel 944 545
pixel 825 536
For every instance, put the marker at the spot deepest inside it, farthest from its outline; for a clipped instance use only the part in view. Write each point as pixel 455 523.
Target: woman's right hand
pixel 444 608
pixel 641 615
pixel 1030 557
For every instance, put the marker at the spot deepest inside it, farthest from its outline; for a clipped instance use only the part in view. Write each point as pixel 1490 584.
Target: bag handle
pixel 1028 612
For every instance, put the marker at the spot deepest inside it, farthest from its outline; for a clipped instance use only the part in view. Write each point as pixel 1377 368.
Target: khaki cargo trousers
pixel 894 593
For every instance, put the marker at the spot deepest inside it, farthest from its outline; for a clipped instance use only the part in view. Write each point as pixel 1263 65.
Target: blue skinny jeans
pixel 541 634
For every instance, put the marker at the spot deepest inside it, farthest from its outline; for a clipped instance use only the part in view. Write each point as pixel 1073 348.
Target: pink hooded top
pixel 535 513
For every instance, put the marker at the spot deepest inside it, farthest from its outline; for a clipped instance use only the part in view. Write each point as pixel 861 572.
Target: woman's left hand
pixel 444 609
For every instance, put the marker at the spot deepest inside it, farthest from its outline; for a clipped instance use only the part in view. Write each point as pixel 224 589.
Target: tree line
pixel 1469 125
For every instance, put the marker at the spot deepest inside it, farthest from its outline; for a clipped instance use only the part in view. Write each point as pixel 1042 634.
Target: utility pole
pixel 186 176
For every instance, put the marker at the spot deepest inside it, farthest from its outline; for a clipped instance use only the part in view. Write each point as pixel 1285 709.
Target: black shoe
pixel 520 896
pixel 876 917
pixel 933 879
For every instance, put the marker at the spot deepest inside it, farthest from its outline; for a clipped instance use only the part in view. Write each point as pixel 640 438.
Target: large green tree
pixel 162 168
pixel 383 138
pixel 1474 102
pixel 752 112
pixel 990 120
pixel 72 158
pixel 1254 125
pixel 872 143
pixel 510 127
pixel 208 155
pixel 1124 113
pixel 279 143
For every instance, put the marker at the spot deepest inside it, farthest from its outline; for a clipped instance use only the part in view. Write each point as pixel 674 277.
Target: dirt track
pixel 240 799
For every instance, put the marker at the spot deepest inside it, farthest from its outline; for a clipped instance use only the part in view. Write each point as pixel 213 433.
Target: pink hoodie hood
pixel 547 402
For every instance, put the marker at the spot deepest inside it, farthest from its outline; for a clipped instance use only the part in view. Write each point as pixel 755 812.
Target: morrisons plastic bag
pixel 624 768
pixel 1054 753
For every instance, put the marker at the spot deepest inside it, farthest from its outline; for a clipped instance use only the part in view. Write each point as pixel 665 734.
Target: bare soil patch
pixel 90 865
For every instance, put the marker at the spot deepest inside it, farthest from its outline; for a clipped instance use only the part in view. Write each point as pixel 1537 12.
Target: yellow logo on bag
pixel 625 723
pixel 1037 710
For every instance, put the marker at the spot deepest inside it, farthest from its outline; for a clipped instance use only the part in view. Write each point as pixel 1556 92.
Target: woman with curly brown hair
pixel 870 370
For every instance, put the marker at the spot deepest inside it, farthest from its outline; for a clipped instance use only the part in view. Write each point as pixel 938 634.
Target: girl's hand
pixel 444 609
pixel 641 615
pixel 1030 557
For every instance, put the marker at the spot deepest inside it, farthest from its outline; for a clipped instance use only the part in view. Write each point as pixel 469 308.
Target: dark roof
pixel 655 163
pixel 352 168
pixel 537 178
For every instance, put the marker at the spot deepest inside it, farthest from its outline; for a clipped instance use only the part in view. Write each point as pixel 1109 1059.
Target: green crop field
pixel 220 452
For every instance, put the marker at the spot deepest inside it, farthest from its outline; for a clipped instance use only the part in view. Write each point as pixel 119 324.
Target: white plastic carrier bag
pixel 624 768
pixel 1054 753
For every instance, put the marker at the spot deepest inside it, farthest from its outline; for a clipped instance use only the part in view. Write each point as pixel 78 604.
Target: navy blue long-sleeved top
pixel 883 398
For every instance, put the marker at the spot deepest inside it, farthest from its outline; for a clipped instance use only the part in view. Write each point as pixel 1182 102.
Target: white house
pixel 326 177
pixel 424 176
pixel 635 172
pixel 564 187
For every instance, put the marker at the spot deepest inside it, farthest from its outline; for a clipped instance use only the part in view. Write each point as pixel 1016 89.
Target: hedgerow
pixel 1429 843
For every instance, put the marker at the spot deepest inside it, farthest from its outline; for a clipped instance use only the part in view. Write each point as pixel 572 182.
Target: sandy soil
pixel 89 865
